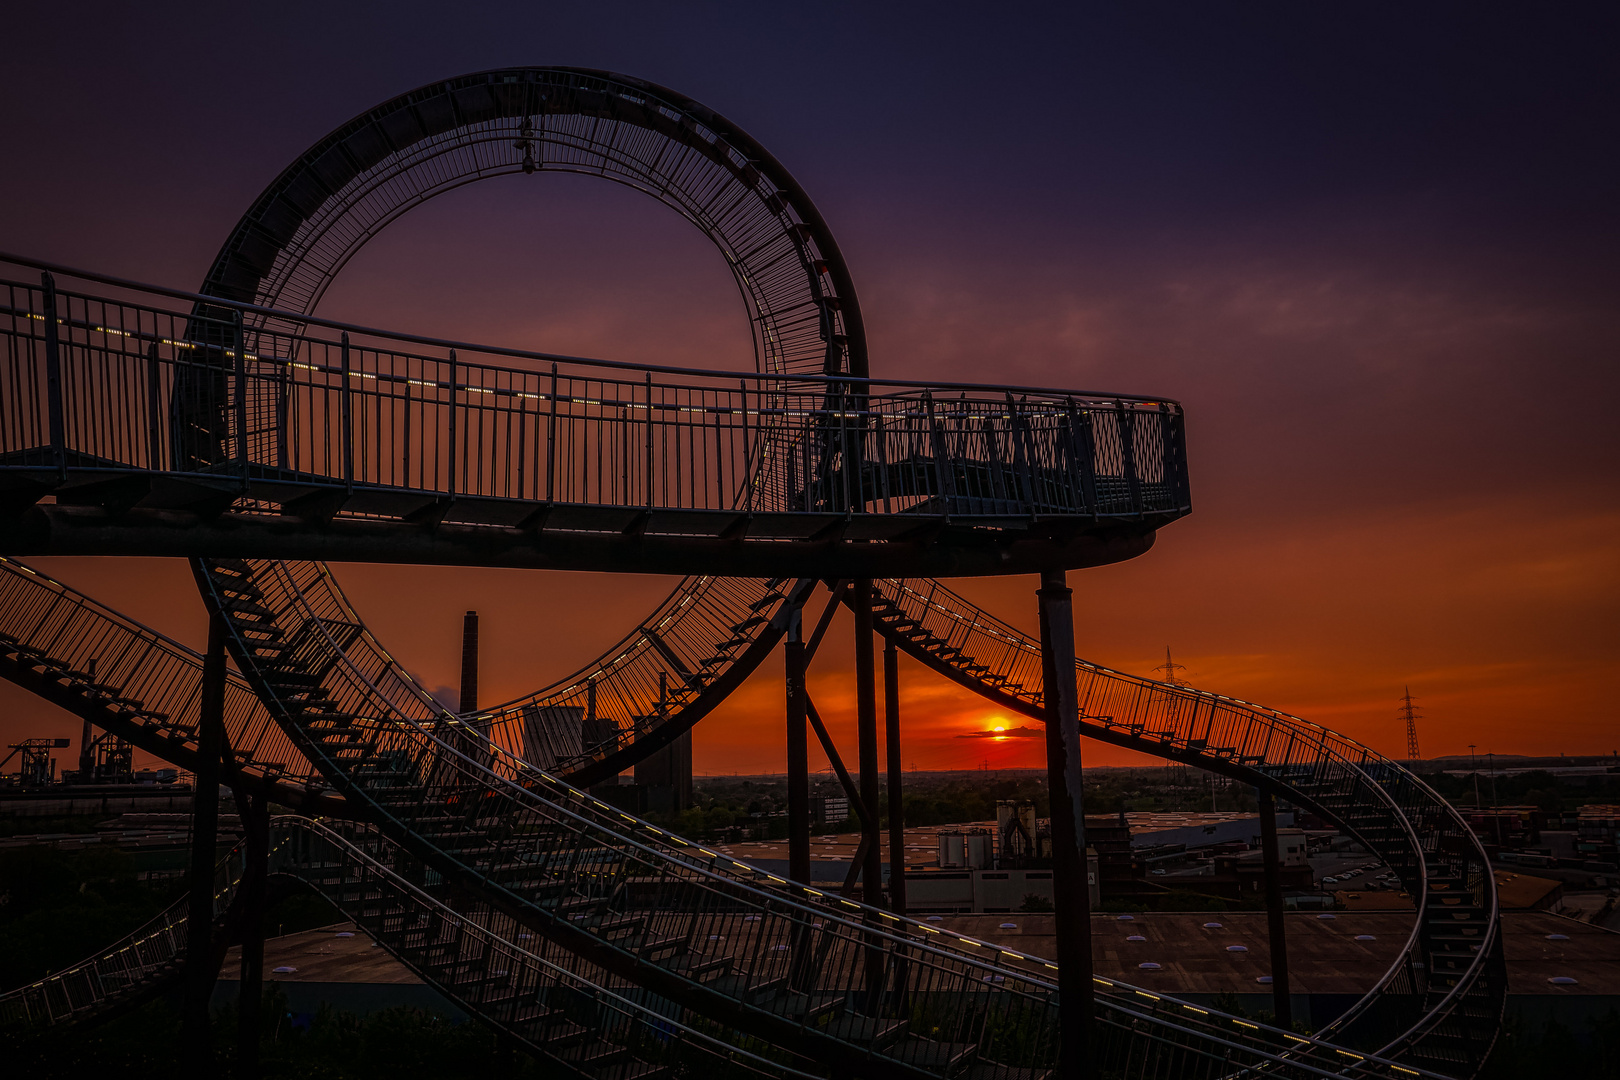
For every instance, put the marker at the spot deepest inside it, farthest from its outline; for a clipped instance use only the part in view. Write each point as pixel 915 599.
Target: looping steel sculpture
pixel 282 435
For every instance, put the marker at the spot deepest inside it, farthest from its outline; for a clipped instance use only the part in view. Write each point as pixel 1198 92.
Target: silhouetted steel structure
pixel 468 700
pixel 1410 714
pixel 242 429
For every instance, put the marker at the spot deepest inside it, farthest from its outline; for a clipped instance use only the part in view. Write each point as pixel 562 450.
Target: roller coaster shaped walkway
pixel 246 430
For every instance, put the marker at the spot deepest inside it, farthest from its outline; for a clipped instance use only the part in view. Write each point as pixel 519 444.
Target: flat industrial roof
pixel 922 842
pixel 322 955
pixel 922 846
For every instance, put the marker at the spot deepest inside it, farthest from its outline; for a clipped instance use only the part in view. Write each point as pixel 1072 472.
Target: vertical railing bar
pixel 405 435
pixel 347 409
pixel 154 420
pixel 523 440
pixel 241 394
pixel 1126 419
pixel 748 450
pixel 452 477
pixel 551 440
pixel 649 391
pixel 53 378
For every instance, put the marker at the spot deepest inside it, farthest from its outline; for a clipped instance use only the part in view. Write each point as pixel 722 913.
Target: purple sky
pixel 1372 251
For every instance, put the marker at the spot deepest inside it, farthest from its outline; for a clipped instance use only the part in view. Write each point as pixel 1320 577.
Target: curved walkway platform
pixel 236 427
pixel 585 1022
pixel 626 867
pixel 384 447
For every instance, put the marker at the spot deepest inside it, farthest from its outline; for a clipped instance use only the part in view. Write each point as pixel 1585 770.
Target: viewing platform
pixel 136 428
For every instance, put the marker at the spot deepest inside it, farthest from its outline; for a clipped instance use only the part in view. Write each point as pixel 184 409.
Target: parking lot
pixel 1359 871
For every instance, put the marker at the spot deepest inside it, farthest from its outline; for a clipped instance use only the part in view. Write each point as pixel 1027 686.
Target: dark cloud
pixel 1020 732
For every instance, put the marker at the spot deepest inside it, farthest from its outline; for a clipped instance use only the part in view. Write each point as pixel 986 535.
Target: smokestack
pixel 469 663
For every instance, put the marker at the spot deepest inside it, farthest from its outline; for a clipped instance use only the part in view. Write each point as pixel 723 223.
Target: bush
pixel 58 907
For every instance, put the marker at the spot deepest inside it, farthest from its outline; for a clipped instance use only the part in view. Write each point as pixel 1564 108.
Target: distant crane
pixel 38 767
pixel 1410 714
pixel 1170 667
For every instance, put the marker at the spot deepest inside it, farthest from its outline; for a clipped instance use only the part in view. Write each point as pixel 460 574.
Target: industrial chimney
pixel 469 663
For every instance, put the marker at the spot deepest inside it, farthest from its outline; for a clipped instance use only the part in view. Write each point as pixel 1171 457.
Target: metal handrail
pixel 258 406
pixel 306 848
pixel 127 966
pixel 655 844
pixel 1247 739
pixel 450 763
pixel 146 677
pixel 508 975
pixel 829 382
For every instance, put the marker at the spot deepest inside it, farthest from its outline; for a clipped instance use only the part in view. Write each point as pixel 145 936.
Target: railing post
pixel 1083 457
pixel 848 458
pixel 944 471
pixel 1126 419
pixel 1282 1004
pixel 551 440
pixel 897 824
pixel 1178 439
pixel 348 419
pixel 451 481
pixel 798 752
pixel 241 394
pixel 649 442
pixel 154 410
pixel 1076 993
pixel 748 451
pixel 866 724
pixel 53 379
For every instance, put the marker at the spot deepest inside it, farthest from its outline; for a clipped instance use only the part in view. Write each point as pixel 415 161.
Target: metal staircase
pixel 243 428
pixel 105 480
pixel 576 1027
pixel 629 889
pixel 567 870
pixel 126 974
pixel 141 685
pixel 582 1020
pixel 820 976
pixel 1441 1004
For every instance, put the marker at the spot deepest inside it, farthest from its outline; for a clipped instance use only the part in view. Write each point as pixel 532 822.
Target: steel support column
pixel 255 817
pixel 468 702
pixel 1063 778
pixel 897 821
pixel 1281 1003
pixel 201 974
pixel 798 753
pixel 871 853
pixel 866 722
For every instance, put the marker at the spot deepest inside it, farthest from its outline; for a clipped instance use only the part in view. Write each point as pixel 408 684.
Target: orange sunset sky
pixel 1379 274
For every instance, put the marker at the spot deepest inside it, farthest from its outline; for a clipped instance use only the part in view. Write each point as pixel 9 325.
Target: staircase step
pixel 942 1057
pixel 874 1031
pixel 592 1054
